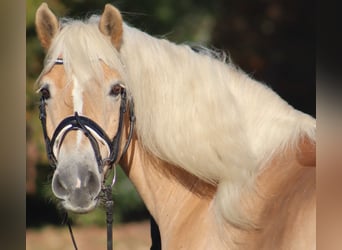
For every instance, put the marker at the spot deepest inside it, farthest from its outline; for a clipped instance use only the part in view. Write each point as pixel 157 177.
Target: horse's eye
pixel 116 90
pixel 45 93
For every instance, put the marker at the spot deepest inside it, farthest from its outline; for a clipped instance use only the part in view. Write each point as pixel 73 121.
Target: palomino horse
pixel 220 160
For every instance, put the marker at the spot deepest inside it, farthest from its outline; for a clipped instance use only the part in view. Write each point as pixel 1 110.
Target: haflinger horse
pixel 220 160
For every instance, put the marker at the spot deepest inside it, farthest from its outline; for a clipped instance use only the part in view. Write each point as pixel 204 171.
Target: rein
pixel 89 128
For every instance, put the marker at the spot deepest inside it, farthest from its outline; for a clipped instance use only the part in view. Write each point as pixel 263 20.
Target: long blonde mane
pixel 193 110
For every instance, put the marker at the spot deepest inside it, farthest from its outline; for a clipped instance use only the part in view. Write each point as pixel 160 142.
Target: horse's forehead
pixel 57 75
pixel 110 73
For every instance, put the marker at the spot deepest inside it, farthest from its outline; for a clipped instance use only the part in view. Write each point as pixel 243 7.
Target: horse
pixel 220 160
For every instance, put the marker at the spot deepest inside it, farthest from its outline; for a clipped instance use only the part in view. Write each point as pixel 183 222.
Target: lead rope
pixel 67 221
pixel 109 218
pixel 71 234
pixel 109 204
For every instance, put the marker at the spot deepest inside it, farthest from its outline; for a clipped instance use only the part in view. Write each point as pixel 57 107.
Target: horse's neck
pixel 283 204
pixel 178 201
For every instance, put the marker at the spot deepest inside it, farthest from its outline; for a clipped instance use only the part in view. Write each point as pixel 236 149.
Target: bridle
pixel 89 128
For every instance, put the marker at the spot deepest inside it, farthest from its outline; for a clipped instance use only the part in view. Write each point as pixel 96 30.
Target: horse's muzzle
pixel 78 190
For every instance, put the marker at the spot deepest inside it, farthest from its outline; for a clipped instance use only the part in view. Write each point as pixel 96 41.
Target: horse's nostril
pixel 78 187
pixel 58 187
pixel 93 184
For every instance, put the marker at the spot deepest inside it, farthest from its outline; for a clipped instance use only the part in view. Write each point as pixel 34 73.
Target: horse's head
pixel 83 103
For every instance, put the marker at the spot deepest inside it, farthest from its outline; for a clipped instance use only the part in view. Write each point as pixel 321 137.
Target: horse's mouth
pixel 68 205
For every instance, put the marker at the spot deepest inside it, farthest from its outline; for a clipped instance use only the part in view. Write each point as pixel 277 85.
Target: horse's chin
pixel 77 209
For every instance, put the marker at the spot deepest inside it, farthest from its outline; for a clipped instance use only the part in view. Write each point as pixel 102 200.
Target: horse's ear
pixel 111 25
pixel 46 25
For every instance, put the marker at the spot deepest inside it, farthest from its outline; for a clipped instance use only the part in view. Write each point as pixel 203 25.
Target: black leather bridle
pixel 89 128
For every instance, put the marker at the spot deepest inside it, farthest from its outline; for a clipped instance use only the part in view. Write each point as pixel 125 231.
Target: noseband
pixel 89 128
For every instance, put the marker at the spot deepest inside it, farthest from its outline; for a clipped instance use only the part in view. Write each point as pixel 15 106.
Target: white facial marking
pixel 78 103
pixel 78 183
pixel 77 96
